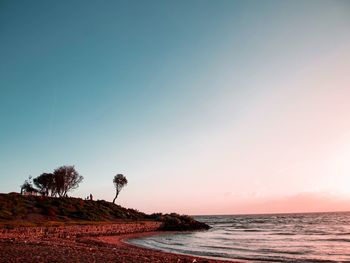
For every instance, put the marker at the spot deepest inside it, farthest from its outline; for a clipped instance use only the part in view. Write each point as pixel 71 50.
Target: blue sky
pixel 189 99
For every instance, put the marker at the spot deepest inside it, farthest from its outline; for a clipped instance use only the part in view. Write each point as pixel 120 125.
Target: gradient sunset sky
pixel 207 107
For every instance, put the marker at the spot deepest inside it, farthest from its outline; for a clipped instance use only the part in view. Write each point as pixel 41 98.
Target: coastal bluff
pixel 60 216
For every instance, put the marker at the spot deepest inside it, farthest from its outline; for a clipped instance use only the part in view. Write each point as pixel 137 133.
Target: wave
pixel 284 234
pixel 335 239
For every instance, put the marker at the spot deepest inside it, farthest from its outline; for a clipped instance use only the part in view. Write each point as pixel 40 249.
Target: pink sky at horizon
pixel 299 203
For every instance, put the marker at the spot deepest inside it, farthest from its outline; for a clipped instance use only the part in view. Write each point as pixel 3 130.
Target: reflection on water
pixel 317 237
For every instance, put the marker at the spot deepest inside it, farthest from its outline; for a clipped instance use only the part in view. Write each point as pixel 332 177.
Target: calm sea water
pixel 316 237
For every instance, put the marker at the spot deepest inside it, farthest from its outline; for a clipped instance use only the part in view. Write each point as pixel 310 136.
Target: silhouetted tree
pixel 27 187
pixel 119 181
pixel 45 184
pixel 66 178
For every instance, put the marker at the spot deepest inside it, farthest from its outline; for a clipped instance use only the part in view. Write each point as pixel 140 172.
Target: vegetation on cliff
pixel 176 222
pixel 36 210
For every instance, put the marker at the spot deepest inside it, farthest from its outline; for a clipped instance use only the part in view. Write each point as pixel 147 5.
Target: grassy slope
pixel 19 210
pixel 37 209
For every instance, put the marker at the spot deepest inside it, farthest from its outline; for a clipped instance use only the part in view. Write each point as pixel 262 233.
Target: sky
pixel 207 107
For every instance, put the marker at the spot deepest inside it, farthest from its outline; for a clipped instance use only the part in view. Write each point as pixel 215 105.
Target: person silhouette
pixel 91 197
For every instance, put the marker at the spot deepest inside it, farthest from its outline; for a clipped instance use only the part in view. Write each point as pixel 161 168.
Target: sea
pixel 307 237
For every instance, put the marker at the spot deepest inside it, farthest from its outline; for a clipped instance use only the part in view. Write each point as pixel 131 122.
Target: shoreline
pixel 143 254
pixel 88 247
pixel 135 236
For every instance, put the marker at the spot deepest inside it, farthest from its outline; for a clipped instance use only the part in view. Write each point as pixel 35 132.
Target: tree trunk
pixel 116 195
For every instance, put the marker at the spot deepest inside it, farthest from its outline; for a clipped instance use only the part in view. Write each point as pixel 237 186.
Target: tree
pixel 27 186
pixel 66 178
pixel 45 184
pixel 119 182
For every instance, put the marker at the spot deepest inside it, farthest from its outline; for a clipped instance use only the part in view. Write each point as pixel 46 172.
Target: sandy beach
pixel 87 247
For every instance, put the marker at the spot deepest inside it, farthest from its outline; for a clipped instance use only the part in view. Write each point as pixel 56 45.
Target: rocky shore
pixel 76 231
pixel 86 243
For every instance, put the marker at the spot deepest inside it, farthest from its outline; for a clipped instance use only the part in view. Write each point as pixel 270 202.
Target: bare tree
pixel 119 182
pixel 66 179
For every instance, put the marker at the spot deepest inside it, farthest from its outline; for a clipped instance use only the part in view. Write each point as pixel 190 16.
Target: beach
pixel 87 243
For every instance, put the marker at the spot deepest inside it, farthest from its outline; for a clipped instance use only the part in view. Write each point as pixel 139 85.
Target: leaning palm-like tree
pixel 119 182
